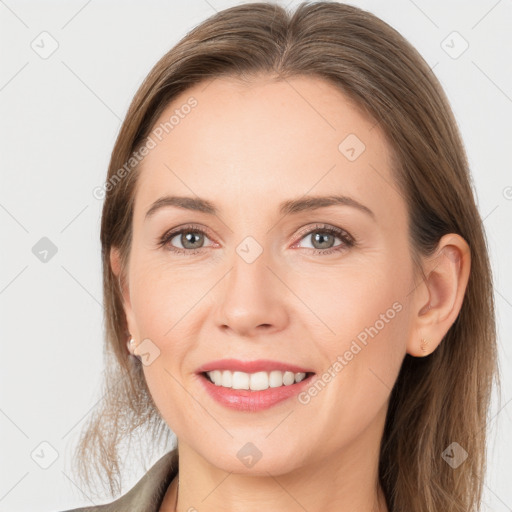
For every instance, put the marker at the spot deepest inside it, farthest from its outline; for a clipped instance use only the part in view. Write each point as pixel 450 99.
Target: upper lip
pixel 260 365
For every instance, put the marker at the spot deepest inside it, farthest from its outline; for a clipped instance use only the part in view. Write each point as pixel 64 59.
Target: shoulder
pixel 147 494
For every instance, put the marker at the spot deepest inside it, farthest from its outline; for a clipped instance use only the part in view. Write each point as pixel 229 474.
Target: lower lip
pixel 253 401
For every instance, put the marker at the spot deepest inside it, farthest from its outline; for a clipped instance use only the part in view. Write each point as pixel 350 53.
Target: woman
pixel 293 256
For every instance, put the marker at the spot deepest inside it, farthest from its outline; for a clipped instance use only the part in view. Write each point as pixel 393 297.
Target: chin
pixel 253 458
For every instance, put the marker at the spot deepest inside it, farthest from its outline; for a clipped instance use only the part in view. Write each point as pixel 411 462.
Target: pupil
pixel 322 240
pixel 190 236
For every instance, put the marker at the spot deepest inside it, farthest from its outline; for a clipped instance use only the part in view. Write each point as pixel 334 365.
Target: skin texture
pixel 247 148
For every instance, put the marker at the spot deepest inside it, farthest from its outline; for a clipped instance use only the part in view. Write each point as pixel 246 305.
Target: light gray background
pixel 59 119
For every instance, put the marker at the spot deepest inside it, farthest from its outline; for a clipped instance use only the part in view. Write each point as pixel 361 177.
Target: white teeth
pixel 258 381
pixel 240 380
pixel 225 379
pixel 216 377
pixel 275 379
pixel 288 378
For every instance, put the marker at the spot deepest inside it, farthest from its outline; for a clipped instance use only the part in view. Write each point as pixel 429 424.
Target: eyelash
pixel 346 238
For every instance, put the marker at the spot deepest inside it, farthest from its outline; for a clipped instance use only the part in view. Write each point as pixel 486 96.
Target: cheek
pixel 167 310
pixel 364 321
pixel 363 357
pixel 351 299
pixel 163 307
pixel 163 298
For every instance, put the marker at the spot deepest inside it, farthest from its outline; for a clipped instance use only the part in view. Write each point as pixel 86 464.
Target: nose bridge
pixel 251 296
pixel 249 267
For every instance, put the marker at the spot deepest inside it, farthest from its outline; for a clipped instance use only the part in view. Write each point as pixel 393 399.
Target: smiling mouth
pixel 258 381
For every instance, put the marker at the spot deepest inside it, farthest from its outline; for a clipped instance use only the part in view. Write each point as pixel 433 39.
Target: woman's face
pixel 274 274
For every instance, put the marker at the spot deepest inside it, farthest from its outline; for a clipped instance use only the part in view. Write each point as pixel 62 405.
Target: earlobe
pixel 439 298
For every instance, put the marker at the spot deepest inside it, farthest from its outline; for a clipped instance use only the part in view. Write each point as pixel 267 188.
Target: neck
pixel 342 481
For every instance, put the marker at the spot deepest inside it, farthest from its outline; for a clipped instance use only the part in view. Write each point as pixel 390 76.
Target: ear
pixel 438 299
pixel 117 269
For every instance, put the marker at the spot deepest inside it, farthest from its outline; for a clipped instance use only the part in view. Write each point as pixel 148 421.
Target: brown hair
pixel 436 400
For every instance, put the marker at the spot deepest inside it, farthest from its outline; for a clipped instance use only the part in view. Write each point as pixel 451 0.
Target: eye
pixel 190 238
pixel 323 239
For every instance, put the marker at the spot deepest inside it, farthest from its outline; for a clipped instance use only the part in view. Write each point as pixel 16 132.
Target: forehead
pixel 281 138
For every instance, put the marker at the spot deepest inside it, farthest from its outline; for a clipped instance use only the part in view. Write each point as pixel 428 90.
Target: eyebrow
pixel 292 206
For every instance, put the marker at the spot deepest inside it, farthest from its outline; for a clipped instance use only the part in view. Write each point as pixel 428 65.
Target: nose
pixel 251 299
